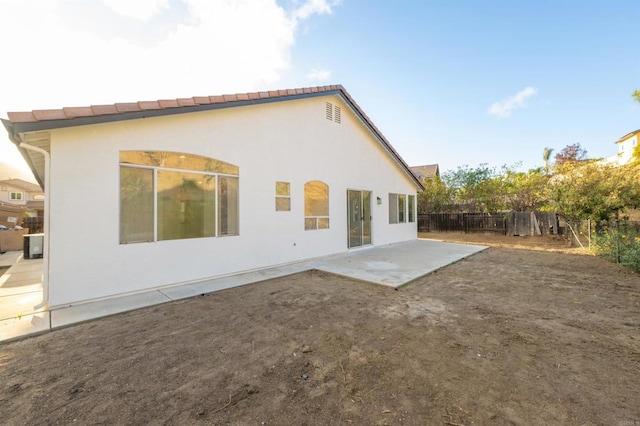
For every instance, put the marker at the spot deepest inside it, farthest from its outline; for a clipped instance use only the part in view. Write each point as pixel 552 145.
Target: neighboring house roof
pixel 21 184
pixel 627 136
pixel 40 120
pixel 428 171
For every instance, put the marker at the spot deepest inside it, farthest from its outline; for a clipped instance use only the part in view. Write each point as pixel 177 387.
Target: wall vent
pixel 337 115
pixel 329 111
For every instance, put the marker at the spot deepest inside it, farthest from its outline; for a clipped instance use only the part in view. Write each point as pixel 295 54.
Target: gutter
pixel 17 128
pixel 47 201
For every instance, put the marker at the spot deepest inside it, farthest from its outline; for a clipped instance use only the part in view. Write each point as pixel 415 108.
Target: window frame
pixel 411 208
pixel 316 222
pixel 398 208
pixel 393 208
pixel 12 195
pixel 283 197
pixel 402 208
pixel 217 197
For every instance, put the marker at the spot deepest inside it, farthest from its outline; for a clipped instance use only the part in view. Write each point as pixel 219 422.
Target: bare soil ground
pixel 531 335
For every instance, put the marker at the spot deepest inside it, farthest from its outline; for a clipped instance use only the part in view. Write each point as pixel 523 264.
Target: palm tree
pixel 546 156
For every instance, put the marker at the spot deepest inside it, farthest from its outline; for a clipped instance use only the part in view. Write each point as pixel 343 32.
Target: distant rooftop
pixel 627 136
pixel 428 171
pixel 22 184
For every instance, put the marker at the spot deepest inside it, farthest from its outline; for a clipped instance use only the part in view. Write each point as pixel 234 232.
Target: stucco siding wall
pixel 283 141
pixel 625 149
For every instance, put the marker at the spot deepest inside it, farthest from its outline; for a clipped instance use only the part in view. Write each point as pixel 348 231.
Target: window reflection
pixel 316 205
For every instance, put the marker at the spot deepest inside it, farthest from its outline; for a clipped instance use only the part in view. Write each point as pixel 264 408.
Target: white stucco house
pixel 151 194
pixel 17 199
pixel 626 146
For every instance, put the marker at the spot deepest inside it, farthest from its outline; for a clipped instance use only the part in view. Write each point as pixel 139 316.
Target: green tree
pixel 636 95
pixel 593 190
pixel 475 189
pixel 636 154
pixel 546 156
pixel 524 190
pixel 435 198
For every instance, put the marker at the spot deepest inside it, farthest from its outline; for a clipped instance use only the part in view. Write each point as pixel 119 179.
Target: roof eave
pixel 14 136
pixel 625 137
pixel 382 140
pixel 17 128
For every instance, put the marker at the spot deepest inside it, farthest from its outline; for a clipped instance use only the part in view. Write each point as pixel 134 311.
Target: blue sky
pixel 451 82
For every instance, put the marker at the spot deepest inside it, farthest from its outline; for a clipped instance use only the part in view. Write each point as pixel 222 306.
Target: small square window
pixel 323 223
pixel 283 197
pixel 283 204
pixel 282 189
pixel 310 223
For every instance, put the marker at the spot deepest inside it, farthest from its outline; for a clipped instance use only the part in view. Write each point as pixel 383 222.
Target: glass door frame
pixel 359 221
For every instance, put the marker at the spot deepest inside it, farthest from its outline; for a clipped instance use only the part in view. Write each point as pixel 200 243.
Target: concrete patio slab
pixel 64 316
pixel 15 290
pixel 23 326
pixel 396 265
pixel 20 304
pixel 20 288
pixel 393 265
pixel 203 287
pixel 9 258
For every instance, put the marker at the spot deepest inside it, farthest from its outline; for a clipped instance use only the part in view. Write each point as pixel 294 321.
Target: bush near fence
pixel 618 242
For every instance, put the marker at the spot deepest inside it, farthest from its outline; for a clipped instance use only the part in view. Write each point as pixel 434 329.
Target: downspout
pixel 45 249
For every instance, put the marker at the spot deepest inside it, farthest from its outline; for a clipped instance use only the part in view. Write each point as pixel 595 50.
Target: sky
pixel 452 82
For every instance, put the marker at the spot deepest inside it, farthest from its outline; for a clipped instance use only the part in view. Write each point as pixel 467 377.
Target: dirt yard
pixel 536 334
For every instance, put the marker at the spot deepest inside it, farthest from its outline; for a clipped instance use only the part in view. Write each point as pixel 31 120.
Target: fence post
pixel 617 241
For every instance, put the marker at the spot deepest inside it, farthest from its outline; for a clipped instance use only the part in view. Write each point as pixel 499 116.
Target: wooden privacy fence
pixel 509 223
pixel 462 222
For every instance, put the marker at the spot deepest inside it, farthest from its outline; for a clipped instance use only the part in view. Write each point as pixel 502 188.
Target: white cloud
pixel 216 47
pixel 320 75
pixel 504 107
pixel 311 7
pixel 59 54
pixel 142 10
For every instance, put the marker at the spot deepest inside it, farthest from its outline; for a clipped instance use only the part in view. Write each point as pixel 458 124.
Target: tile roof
pixel 67 113
pixel 25 121
pixel 627 136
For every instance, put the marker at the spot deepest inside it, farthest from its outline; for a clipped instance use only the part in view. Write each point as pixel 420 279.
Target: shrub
pixel 625 241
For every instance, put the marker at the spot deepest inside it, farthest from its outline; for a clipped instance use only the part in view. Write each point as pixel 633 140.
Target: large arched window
pixel 173 195
pixel 316 205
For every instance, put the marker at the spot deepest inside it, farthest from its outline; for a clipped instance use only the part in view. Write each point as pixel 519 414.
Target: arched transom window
pixel 172 195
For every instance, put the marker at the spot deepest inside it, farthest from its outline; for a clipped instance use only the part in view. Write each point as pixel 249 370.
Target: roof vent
pixel 333 112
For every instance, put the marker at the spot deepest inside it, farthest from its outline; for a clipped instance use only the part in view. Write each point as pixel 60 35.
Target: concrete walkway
pixel 20 293
pixel 392 265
